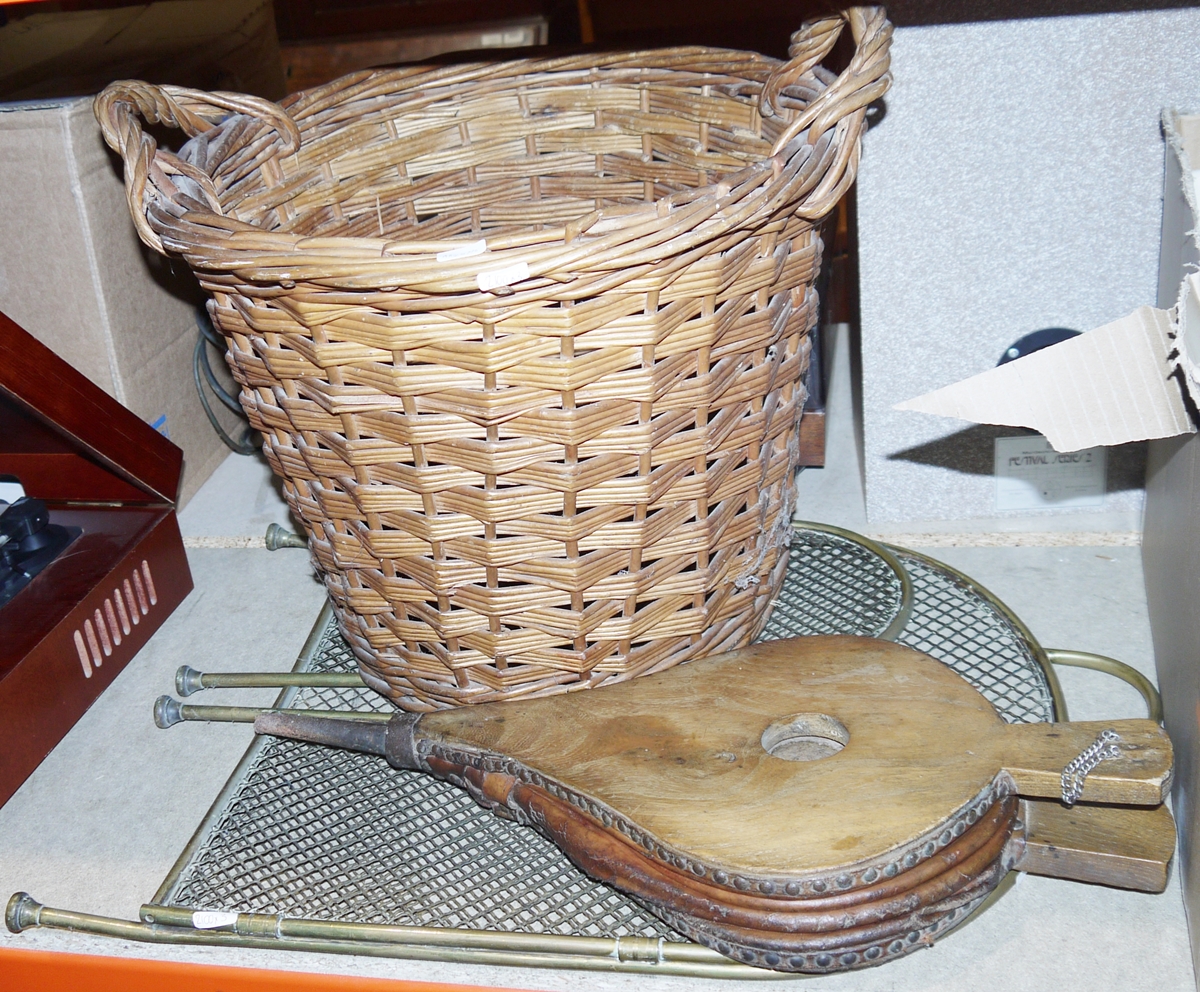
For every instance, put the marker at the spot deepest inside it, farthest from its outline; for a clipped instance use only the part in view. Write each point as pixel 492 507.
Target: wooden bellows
pixel 812 804
pixel 525 340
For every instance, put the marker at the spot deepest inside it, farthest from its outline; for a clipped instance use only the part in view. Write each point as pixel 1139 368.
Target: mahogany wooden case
pixel 66 636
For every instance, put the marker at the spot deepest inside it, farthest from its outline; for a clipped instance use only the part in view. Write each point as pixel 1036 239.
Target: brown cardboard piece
pixel 1135 379
pixel 1109 386
pixel 73 273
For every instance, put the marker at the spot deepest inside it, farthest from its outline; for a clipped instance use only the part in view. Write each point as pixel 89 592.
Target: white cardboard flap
pixel 1188 338
pixel 1107 386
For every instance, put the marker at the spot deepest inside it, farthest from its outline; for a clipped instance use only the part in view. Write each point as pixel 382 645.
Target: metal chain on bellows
pixel 1103 748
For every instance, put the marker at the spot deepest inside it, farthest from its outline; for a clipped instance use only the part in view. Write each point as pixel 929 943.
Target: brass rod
pixel 280 537
pixel 586 953
pixel 312 645
pixel 1110 666
pixel 254 924
pixel 168 712
pixel 188 680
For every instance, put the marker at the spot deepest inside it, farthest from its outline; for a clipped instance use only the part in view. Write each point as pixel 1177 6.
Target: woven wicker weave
pixel 525 340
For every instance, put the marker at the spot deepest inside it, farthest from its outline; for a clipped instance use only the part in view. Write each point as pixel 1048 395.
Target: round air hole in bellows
pixel 805 737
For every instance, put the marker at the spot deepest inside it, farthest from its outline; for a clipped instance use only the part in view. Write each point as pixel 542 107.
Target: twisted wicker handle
pixel 120 105
pixel 843 104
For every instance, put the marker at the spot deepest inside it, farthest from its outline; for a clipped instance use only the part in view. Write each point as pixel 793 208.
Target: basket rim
pixel 812 164
pixel 476 77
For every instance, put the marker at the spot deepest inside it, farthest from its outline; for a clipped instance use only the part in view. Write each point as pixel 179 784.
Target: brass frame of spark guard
pixel 299 679
pixel 174 925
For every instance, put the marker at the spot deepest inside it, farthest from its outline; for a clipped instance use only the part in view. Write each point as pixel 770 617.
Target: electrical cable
pixel 248 444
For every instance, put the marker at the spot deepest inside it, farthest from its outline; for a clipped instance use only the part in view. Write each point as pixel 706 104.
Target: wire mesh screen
pixel 959 627
pixel 833 586
pixel 329 834
pixel 313 832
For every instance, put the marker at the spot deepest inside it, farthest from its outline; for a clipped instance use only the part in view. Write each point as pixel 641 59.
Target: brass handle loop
pixel 1118 669
pixel 148 169
pixel 841 106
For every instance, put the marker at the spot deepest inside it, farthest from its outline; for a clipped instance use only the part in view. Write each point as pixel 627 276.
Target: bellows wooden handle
pixel 1126 847
pixel 1034 756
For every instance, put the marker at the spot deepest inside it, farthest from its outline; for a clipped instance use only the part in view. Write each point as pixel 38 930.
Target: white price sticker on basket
pixel 209 919
pixel 466 251
pixel 492 278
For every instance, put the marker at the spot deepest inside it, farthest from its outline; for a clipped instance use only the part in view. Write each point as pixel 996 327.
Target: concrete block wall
pixel 1013 183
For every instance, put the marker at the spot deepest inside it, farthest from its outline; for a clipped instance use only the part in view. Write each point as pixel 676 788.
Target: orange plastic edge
pixel 53 971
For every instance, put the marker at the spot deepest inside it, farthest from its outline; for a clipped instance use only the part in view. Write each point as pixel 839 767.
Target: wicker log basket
pixel 525 340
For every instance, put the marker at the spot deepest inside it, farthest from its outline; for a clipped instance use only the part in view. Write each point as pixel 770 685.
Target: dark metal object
pixel 392 740
pixel 249 442
pixel 1036 341
pixel 28 543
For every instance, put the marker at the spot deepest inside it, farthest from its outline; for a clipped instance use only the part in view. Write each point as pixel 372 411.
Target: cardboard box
pixel 1171 535
pixel 75 275
pixel 1136 378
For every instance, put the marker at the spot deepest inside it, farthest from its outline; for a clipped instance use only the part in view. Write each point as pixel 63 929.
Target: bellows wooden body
pixel 525 340
pixel 812 804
